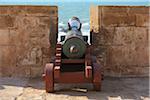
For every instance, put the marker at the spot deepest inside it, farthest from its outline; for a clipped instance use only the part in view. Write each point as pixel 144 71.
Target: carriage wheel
pixel 97 77
pixel 49 77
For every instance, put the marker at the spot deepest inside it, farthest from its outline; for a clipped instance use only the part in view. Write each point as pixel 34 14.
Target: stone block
pixel 130 36
pixel 40 41
pixel 7 21
pixel 105 36
pixel 7 60
pixel 22 71
pixel 39 31
pixel 19 37
pixel 121 10
pixel 41 11
pixel 8 55
pixel 94 18
pixel 117 20
pixel 4 37
pixel 139 10
pixel 3 10
pixel 32 29
pixel 46 21
pixel 131 55
pixel 118 36
pixel 7 71
pixel 29 10
pixel 26 22
pixel 12 10
pixel 29 56
pixel 46 51
pixel 142 20
pixel 36 71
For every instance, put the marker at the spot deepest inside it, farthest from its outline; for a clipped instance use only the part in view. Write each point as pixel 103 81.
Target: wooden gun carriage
pixel 73 63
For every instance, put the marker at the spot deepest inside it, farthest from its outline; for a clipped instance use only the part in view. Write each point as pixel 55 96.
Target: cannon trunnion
pixel 73 63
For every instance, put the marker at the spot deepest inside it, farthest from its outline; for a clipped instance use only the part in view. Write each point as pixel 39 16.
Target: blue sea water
pixel 79 9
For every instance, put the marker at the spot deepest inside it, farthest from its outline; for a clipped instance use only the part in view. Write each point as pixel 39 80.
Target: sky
pixel 48 2
pixel 101 0
pixel 73 0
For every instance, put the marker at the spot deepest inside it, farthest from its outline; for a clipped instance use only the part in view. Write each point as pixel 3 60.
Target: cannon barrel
pixel 74 45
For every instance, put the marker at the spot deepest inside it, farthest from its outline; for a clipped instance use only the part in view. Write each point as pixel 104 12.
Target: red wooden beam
pixel 73 77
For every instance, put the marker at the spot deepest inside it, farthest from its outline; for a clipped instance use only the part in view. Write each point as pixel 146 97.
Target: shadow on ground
pixel 33 89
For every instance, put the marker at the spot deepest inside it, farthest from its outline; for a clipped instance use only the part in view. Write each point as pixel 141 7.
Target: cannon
pixel 73 61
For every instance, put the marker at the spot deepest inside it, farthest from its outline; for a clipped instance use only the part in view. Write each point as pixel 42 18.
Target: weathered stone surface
pixel 95 16
pixel 127 55
pixel 105 36
pixel 130 36
pixel 116 10
pixel 41 11
pixel 3 10
pixel 121 36
pixel 27 34
pixel 7 60
pixel 37 71
pixel 29 10
pixel 22 71
pixel 29 46
pixel 30 93
pixel 118 20
pixel 46 52
pixel 12 10
pixel 8 57
pixel 139 10
pixel 4 37
pixel 6 22
pixel 142 19
pixel 46 20
pixel 29 56
pixel 114 98
pixel 11 88
pixel 126 59
pixel 121 42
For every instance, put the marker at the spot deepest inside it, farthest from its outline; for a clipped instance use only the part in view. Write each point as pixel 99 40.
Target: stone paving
pixel 112 89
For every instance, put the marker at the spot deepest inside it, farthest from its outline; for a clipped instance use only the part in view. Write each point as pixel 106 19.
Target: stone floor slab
pixel 112 89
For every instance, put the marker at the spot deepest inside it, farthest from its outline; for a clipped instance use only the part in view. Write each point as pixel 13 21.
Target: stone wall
pixel 25 32
pixel 28 36
pixel 120 35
